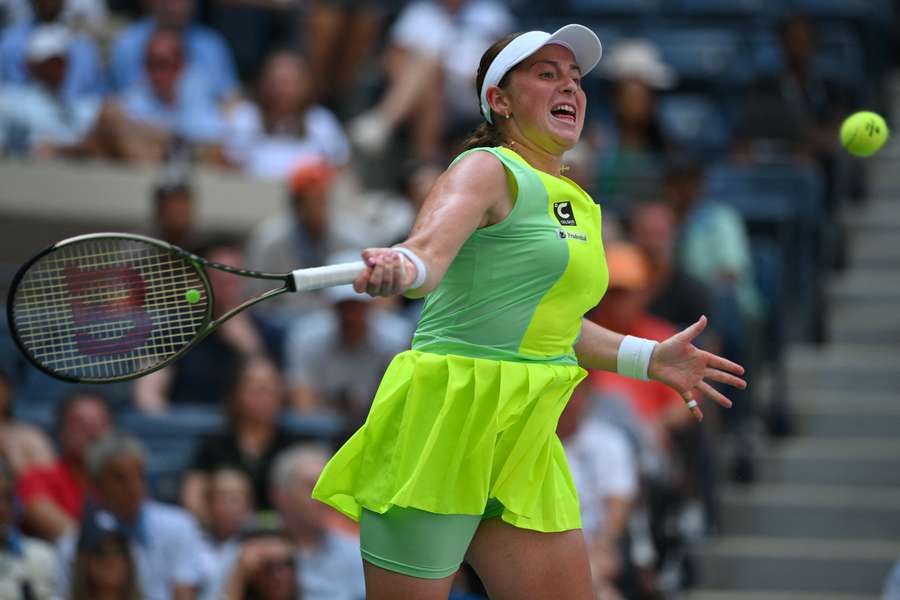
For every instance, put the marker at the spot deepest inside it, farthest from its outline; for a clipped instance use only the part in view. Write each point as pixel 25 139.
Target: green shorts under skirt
pixel 445 433
pixel 418 543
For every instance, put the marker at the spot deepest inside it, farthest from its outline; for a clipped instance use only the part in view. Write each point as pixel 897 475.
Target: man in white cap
pixel 84 76
pixel 36 116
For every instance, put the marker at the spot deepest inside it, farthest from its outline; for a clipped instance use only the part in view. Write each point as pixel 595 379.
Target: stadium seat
pixel 694 121
pixel 704 55
pixel 758 192
pixel 318 427
pixel 874 12
pixel 180 424
pixel 717 8
pixel 631 8
pixel 841 54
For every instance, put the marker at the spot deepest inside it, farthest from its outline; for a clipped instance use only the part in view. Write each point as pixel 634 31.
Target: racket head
pixel 108 307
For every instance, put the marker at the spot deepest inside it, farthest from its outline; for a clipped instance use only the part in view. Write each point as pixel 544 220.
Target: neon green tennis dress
pixel 470 413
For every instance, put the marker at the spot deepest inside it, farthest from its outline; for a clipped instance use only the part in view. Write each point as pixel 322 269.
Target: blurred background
pixel 277 134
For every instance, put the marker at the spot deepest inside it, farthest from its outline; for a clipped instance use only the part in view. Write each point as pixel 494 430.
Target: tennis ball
pixel 864 133
pixel 192 296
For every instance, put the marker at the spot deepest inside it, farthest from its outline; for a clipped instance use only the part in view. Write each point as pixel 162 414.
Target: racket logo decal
pixel 108 309
pixel 563 213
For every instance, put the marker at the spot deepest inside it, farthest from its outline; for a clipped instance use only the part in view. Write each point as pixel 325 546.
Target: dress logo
pixel 572 235
pixel 563 213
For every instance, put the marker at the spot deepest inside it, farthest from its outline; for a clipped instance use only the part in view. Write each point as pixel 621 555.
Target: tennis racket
pixel 110 307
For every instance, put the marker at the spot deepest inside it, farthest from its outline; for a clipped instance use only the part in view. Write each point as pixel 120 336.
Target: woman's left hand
pixel 685 368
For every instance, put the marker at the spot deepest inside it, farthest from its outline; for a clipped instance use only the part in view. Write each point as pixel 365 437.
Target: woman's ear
pixel 498 100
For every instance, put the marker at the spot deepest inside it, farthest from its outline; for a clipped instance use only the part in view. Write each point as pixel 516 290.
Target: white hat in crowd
pixel 638 59
pixel 48 41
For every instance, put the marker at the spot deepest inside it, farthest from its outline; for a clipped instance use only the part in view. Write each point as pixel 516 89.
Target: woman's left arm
pixel 675 362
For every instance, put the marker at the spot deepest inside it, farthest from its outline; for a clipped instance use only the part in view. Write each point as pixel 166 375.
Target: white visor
pixel 583 43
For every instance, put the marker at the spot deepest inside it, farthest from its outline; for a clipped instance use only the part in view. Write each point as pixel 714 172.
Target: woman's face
pixel 545 99
pixel 259 392
pixel 634 102
pixel 284 86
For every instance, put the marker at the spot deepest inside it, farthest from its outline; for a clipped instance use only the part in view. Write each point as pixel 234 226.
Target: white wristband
pixel 633 359
pixel 421 270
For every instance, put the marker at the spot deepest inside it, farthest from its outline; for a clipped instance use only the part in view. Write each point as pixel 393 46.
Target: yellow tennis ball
pixel 192 296
pixel 864 133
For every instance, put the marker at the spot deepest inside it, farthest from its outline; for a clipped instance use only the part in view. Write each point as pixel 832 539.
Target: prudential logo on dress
pixel 563 213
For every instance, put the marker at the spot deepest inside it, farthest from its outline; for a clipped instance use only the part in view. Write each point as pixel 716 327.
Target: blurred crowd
pixel 711 146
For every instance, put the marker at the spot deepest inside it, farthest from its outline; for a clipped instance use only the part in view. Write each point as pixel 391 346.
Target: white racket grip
pixel 317 278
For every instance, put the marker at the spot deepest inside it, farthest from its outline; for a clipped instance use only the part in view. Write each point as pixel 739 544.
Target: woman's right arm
pixel 473 193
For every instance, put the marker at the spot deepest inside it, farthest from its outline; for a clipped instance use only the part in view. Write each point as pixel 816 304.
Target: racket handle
pixel 322 277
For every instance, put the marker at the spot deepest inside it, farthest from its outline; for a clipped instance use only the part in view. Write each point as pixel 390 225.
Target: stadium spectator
pixel 36 115
pixel 676 296
pixel 104 568
pixel 84 75
pixel 798 109
pixel 174 216
pixel 341 38
pixel 334 359
pixel 230 508
pixel 892 584
pixel 605 473
pixel 27 565
pixel 22 446
pixel 685 473
pixel 286 130
pixel 330 567
pixel 715 248
pixel 252 437
pixel 174 98
pixel 266 569
pixel 196 378
pixel 53 496
pixel 630 149
pixel 624 308
pixel 204 49
pixel 300 238
pixel 89 16
pixel 435 46
pixel 165 541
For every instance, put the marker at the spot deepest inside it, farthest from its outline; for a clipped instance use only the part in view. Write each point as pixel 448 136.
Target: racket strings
pixel 108 308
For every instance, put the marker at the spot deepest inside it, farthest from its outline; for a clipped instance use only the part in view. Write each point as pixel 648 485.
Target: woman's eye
pixel 548 75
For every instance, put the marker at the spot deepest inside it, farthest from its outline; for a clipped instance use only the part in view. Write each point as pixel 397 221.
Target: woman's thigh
pixel 382 584
pixel 520 564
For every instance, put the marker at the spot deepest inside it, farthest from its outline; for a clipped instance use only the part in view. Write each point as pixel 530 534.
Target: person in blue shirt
pixel 175 97
pixel 84 76
pixel 205 49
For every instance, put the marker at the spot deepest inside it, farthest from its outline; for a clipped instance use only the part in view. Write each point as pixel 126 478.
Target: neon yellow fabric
pixel 585 278
pixel 445 433
pixel 517 290
pixel 470 413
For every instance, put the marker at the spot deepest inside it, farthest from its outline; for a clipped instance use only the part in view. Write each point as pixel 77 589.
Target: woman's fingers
pixel 694 330
pixel 384 277
pixel 693 406
pixel 723 377
pixel 713 394
pixel 715 361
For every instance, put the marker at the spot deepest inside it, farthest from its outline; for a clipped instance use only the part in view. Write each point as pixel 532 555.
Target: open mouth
pixel 563 112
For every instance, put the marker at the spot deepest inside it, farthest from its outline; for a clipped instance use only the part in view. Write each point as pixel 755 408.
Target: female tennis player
pixel 459 457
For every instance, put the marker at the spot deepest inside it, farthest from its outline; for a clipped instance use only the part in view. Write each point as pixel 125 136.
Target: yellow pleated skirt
pixel 445 433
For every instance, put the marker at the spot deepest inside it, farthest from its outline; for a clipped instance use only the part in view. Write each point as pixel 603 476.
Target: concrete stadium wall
pixel 42 202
